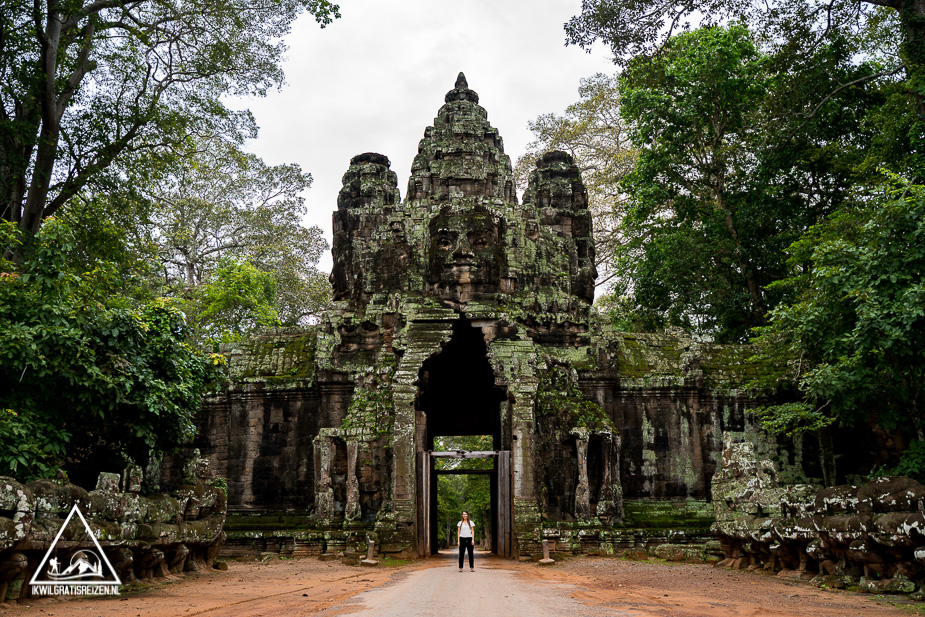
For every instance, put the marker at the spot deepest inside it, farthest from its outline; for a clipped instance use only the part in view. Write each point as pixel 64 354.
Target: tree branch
pixel 855 82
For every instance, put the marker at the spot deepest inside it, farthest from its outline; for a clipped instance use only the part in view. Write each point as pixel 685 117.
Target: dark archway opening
pixel 457 389
pixel 458 398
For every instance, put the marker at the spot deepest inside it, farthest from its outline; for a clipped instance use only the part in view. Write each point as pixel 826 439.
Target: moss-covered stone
pixel 331 422
pixel 143 536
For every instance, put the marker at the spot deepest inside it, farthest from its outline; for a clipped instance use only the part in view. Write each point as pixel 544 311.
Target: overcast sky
pixel 374 79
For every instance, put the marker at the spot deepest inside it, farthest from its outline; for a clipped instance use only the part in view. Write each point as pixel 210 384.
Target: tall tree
pixel 592 131
pixel 221 205
pixel 87 84
pixel 794 29
pixel 853 338
pixel 724 182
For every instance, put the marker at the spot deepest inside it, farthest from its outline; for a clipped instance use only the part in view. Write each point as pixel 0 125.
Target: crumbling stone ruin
pixel 868 537
pixel 142 536
pixel 460 310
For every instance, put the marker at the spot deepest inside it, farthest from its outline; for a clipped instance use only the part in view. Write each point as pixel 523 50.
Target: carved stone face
pixel 466 255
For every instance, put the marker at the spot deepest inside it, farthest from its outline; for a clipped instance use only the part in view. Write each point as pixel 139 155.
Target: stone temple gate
pixel 461 311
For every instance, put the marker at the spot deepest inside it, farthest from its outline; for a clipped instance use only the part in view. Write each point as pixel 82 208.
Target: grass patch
pixel 391 562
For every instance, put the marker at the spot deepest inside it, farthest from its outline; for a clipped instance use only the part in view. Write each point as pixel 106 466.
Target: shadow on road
pixel 450 556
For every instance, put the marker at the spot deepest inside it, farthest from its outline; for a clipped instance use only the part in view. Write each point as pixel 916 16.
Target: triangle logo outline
pixel 103 559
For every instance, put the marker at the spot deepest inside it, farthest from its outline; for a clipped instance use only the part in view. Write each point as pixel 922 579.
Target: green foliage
pixel 95 93
pixel 236 300
pixel 89 378
pixel 853 338
pixel 32 449
pixel 912 463
pixel 221 484
pixel 456 493
pixel 558 397
pixel 220 204
pixel 725 179
pixel 220 231
pixel 888 35
pixel 633 28
pixel 792 419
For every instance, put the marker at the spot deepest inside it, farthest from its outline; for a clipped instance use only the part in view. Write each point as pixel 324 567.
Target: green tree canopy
pixel 458 492
pixel 237 300
pixel 202 227
pixel 853 340
pixel 888 34
pixel 593 132
pixel 723 182
pixel 90 377
pixel 93 90
pixel 220 204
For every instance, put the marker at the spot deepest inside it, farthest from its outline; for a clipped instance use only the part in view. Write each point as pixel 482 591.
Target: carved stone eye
pixel 444 239
pixel 479 240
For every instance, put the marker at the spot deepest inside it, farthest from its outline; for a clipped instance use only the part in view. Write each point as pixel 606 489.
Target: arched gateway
pixel 465 287
pixel 461 311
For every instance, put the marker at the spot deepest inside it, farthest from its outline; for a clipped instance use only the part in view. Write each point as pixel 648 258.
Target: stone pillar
pixel 514 363
pixel 352 510
pixel 423 338
pixel 324 485
pixel 370 553
pixel 546 560
pixel 610 502
pixel 403 395
pixel 582 491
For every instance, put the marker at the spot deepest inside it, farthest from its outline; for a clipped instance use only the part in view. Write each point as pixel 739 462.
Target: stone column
pixel 582 491
pixel 423 338
pixel 352 510
pixel 546 560
pixel 369 561
pixel 324 487
pixel 610 502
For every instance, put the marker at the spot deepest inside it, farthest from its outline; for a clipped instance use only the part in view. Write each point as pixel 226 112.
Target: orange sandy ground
pixel 308 586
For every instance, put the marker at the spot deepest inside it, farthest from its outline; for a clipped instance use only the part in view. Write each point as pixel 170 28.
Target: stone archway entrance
pixel 500 481
pixel 458 396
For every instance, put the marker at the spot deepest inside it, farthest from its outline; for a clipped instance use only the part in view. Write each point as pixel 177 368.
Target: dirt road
pixel 498 588
pixel 492 590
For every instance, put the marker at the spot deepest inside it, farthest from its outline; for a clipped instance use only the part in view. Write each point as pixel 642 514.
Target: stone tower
pixel 448 300
pixel 460 237
pixel 459 311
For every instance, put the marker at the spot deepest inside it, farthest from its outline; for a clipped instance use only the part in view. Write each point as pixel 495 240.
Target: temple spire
pixel 461 91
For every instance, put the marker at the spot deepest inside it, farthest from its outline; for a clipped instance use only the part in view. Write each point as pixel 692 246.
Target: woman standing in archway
pixel 465 538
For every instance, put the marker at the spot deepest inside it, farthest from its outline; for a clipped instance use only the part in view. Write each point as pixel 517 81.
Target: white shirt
pixel 465 531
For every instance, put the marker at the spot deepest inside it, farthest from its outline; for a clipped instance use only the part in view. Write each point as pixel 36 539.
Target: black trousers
pixel 465 544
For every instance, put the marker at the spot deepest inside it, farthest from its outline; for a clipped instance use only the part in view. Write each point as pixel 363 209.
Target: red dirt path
pixel 308 586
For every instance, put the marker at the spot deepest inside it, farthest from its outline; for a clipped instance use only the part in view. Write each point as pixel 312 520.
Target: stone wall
pixel 654 407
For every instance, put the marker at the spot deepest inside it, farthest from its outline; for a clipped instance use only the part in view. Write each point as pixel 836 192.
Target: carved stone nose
pixel 463 253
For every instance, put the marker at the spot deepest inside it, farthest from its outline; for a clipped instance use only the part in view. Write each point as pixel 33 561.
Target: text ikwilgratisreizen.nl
pixel 75 590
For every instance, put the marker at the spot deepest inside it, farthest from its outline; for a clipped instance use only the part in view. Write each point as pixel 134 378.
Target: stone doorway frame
pixel 502 502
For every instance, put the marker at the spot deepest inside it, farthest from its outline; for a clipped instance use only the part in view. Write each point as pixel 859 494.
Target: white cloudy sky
pixel 374 79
